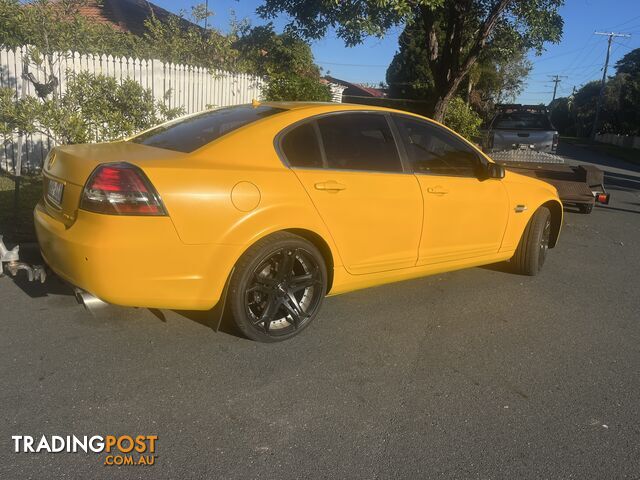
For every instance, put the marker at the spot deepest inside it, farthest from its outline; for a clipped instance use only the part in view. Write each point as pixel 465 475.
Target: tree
pixel 55 26
pixel 457 31
pixel 630 63
pixel 562 116
pixel 93 108
pixel 497 76
pixel 461 118
pixel 584 103
pixel 291 88
pixel 285 60
pixel 409 74
pixel 626 85
pixel 178 39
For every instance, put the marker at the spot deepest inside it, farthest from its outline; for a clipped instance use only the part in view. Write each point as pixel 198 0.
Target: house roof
pixel 125 15
pixel 356 89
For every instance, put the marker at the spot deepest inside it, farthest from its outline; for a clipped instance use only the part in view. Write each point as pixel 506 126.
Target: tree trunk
pixel 444 60
pixel 440 108
pixel 445 96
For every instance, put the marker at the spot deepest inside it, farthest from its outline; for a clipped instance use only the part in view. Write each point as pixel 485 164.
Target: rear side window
pixel 193 132
pixel 522 121
pixel 431 149
pixel 359 141
pixel 300 147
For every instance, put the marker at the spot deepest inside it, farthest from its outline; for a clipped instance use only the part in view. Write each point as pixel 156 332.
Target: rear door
pixel 350 167
pixel 465 215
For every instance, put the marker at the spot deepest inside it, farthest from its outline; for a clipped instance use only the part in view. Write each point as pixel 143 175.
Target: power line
pixel 625 22
pixel 569 52
pixel 611 36
pixel 625 46
pixel 580 57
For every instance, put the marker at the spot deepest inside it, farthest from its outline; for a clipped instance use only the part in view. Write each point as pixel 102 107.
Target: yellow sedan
pixel 276 205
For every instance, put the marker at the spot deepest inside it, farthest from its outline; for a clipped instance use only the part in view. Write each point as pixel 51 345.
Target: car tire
pixel 277 287
pixel 534 244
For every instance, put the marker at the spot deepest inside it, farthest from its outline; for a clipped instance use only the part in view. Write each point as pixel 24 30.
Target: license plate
pixel 54 192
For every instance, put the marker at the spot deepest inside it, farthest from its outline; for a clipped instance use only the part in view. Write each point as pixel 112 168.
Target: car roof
pixel 327 106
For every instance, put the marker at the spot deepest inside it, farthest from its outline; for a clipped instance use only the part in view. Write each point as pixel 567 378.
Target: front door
pixel 465 215
pixel 372 208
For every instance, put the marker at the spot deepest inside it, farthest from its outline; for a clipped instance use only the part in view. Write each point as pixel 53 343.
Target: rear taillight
pixel 120 189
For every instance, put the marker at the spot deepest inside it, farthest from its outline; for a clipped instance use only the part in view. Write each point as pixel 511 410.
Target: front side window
pixel 431 149
pixel 359 141
pixel 300 147
pixel 191 133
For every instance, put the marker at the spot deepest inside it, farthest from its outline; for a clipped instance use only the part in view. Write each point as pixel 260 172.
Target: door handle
pixel 437 190
pixel 330 186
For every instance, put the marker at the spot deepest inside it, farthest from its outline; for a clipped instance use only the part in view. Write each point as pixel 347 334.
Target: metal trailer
pixel 582 185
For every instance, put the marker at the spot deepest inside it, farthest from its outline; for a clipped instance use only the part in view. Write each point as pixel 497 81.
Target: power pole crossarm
pixel 611 35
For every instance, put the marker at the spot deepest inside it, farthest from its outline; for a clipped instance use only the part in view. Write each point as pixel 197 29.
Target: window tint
pixel 522 121
pixel 359 141
pixel 300 146
pixel 196 131
pixel 431 149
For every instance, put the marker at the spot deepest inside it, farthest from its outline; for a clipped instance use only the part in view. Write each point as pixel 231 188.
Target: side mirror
pixel 495 171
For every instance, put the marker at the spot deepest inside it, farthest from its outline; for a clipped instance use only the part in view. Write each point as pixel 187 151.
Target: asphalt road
pixel 472 374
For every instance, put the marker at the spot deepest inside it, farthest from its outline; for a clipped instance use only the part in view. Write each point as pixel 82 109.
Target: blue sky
pixel 579 55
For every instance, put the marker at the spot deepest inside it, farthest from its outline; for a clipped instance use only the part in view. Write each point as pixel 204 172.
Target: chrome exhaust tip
pixel 89 302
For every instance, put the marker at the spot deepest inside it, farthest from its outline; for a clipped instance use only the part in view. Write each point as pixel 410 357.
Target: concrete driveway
pixel 473 374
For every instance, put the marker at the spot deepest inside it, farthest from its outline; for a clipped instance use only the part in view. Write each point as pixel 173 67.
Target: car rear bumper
pixel 134 261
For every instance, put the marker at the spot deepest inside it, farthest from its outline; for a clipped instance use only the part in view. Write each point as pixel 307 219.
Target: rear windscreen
pixel 193 132
pixel 522 121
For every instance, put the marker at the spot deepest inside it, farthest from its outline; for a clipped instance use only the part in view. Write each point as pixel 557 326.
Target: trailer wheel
pixel 534 244
pixel 585 208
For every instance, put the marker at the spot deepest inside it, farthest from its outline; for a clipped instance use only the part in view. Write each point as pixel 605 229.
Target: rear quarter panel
pixel 236 191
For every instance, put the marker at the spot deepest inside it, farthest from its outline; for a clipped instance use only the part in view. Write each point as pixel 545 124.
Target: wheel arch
pixel 315 238
pixel 555 207
pixel 322 245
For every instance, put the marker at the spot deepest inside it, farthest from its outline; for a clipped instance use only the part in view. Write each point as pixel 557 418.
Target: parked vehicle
pixel 522 127
pixel 272 206
pixel 581 186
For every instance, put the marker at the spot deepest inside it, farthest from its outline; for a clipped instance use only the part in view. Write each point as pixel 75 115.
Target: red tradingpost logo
pixel 120 449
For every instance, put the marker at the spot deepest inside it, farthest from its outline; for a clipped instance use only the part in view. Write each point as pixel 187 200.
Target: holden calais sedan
pixel 270 207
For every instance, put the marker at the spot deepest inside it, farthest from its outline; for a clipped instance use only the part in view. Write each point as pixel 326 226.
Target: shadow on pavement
pixel 584 154
pixel 54 285
pixel 617 209
pixel 213 319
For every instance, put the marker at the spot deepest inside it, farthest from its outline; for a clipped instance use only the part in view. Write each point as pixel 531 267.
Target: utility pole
pixel 556 79
pixel 611 35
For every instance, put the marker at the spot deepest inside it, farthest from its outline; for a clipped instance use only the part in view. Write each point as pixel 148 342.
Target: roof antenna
pixel 255 103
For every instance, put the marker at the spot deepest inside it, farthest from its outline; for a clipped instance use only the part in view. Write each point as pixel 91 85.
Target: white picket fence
pixel 192 88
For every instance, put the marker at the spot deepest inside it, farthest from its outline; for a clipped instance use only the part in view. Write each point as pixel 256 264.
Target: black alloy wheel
pixel 534 244
pixel 278 287
pixel 544 243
